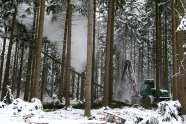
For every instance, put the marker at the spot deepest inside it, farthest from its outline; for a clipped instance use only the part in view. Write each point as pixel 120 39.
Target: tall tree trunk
pixel 14 78
pixel 67 94
pixel 28 75
pixel 20 73
pixel 174 51
pixel 43 85
pixel 32 80
pixel 157 51
pixel 134 51
pixel 37 4
pixel 139 69
pixel 6 76
pixel 107 60
pixel 111 55
pixel 73 80
pixel 93 53
pixel 29 66
pixel 52 82
pixel 166 56
pixel 82 87
pixel 89 61
pixel 142 63
pixel 63 59
pixel 2 61
pixel 77 93
pixel 161 83
pixel 181 60
pixel 39 45
pixel 148 56
pixel 131 44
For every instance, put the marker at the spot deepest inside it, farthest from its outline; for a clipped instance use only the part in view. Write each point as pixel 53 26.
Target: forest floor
pixel 20 111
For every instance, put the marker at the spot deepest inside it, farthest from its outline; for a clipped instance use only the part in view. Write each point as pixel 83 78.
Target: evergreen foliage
pixel 8 99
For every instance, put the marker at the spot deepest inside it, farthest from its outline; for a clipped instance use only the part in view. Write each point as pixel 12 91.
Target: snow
pixel 19 111
pixel 182 26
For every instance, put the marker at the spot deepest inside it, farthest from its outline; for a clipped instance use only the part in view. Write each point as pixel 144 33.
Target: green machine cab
pixel 148 92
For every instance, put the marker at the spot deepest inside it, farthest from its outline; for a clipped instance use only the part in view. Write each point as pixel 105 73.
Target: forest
pixel 94 52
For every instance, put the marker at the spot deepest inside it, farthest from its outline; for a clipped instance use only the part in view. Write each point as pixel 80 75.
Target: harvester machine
pixel 147 93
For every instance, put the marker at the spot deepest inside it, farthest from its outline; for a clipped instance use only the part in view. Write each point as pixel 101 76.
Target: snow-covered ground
pixel 19 111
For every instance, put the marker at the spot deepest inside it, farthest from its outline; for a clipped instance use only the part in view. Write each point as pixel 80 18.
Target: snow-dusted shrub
pixel 25 109
pixel 37 104
pixel 152 120
pixel 169 110
pixel 52 101
pixel 8 99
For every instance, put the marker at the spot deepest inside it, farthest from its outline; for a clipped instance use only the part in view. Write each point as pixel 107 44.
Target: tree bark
pixel 89 61
pixel 73 80
pixel 32 80
pixel 166 56
pixel 6 76
pixel 157 52
pixel 77 93
pixel 39 45
pixel 14 78
pixel 82 87
pixel 107 60
pixel 37 4
pixel 20 73
pixel 111 55
pixel 161 83
pixel 63 59
pixel 93 53
pixel 181 60
pixel 67 94
pixel 52 82
pixel 174 51
pixel 43 85
pixel 29 66
pixel 2 61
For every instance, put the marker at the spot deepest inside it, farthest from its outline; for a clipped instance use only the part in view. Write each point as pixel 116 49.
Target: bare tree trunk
pixel 161 83
pixel 37 4
pixel 63 59
pixel 14 78
pixel 32 80
pixel 142 63
pixel 134 51
pixel 111 55
pixel 93 53
pixel 175 95
pixel 52 82
pixel 107 60
pixel 166 56
pixel 131 44
pixel 6 76
pixel 82 87
pixel 89 61
pixel 77 93
pixel 148 56
pixel 157 51
pixel 73 80
pixel 2 61
pixel 181 60
pixel 29 66
pixel 20 73
pixel 67 101
pixel 39 45
pixel 43 85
